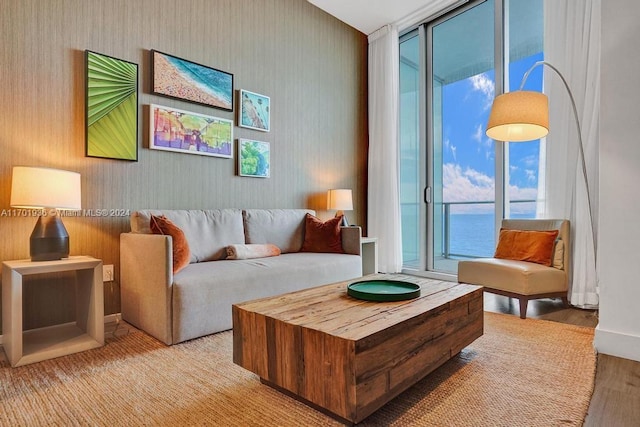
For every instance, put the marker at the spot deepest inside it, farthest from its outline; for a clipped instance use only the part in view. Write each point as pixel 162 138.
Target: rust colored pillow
pixel 181 252
pixel 525 245
pixel 322 236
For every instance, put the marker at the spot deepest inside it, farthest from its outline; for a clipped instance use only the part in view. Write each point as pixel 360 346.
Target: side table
pixel 24 347
pixel 369 252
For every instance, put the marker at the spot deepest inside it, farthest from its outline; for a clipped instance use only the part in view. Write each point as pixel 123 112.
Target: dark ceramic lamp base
pixel 49 240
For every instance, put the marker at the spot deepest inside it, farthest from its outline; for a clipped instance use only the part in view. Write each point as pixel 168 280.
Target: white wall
pixel 618 332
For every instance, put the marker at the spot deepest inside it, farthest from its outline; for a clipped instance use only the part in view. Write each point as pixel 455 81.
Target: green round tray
pixel 383 290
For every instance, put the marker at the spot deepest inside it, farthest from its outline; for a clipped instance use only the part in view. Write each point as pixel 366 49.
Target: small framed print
pixel 254 158
pixel 254 111
pixel 182 131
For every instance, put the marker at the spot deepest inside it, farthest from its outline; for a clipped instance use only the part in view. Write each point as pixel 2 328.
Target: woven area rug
pixel 519 373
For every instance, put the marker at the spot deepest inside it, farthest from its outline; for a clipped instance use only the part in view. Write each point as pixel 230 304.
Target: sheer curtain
pixel 572 44
pixel 383 195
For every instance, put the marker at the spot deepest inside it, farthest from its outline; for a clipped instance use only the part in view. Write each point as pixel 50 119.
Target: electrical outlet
pixel 107 273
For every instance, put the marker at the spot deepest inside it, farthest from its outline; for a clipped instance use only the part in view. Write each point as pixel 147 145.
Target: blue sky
pixel 468 154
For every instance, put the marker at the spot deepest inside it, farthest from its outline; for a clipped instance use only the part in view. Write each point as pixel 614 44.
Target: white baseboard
pixel 109 318
pixel 617 344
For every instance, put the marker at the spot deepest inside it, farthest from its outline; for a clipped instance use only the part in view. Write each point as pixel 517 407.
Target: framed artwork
pixel 254 158
pixel 181 79
pixel 181 131
pixel 255 111
pixel 111 107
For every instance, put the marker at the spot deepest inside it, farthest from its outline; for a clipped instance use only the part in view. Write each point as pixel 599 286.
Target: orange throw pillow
pixel 322 236
pixel 181 252
pixel 524 245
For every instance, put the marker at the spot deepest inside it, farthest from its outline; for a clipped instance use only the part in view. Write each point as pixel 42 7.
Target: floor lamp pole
pixel 580 146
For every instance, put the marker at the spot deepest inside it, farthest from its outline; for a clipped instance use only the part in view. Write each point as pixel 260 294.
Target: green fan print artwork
pixel 112 107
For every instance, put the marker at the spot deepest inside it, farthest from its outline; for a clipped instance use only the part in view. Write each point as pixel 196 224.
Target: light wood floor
pixel 616 396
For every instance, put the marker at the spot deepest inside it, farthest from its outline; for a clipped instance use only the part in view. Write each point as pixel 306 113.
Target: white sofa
pixel 197 300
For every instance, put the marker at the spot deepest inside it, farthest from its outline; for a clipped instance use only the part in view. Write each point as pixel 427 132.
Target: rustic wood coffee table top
pixel 347 356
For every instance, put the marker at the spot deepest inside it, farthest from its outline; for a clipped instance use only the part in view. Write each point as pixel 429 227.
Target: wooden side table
pixel 24 347
pixel 369 252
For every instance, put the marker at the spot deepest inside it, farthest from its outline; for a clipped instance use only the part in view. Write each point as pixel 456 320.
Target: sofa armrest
pixel 146 278
pixel 351 239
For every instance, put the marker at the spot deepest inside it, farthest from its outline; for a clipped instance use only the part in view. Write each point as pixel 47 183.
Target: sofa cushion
pixel 181 253
pixel 525 245
pixel 208 232
pixel 281 227
pixel 322 236
pixel 204 292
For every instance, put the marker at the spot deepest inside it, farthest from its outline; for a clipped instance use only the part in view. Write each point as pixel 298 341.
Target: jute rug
pixel 520 373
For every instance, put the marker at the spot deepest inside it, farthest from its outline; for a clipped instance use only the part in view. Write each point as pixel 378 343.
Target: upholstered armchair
pixel 518 269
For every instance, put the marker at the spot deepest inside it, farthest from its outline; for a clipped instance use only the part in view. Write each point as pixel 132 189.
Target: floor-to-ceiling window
pixel 456 183
pixel 460 89
pixel 412 159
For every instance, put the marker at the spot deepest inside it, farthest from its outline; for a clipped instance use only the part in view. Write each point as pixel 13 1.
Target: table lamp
pixel 49 190
pixel 340 200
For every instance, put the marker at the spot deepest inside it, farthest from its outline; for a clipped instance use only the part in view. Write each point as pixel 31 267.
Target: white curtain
pixel 383 195
pixel 572 44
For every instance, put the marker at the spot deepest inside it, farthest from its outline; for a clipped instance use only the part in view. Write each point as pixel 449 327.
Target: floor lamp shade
pixel 519 116
pixel 47 189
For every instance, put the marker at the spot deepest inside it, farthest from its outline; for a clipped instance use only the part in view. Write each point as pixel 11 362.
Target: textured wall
pixel 311 65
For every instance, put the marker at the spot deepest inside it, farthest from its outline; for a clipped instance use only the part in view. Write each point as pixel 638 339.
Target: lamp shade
pixel 339 199
pixel 37 188
pixel 519 116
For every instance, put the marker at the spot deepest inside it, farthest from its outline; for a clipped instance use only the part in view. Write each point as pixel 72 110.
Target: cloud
pixel 470 185
pixel 483 84
pixel 485 145
pixel 527 193
pixel 466 185
pixel 530 161
pixel 449 146
pixel 531 174
pixel 481 138
pixel 477 135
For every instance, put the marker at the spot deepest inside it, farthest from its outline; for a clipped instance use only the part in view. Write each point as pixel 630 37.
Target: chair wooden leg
pixel 523 307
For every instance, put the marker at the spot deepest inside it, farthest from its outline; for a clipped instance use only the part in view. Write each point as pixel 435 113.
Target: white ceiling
pixel 369 15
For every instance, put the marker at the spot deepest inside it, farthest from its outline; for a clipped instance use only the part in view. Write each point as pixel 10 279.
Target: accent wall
pixel 311 65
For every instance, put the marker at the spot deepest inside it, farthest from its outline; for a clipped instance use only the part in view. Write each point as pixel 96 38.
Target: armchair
pixel 522 279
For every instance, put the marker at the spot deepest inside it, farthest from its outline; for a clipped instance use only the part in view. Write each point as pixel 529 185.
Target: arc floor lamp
pixel 524 116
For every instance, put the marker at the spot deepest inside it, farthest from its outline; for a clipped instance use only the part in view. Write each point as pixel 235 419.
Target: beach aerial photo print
pixel 178 78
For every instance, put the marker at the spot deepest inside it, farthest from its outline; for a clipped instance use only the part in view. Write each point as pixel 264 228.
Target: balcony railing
pixel 446 225
pixel 412 242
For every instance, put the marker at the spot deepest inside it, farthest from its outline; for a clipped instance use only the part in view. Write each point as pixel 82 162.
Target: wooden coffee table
pixel 348 357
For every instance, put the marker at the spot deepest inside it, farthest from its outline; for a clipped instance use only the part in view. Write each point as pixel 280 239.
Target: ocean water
pixel 474 234
pixel 215 82
pixel 470 235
